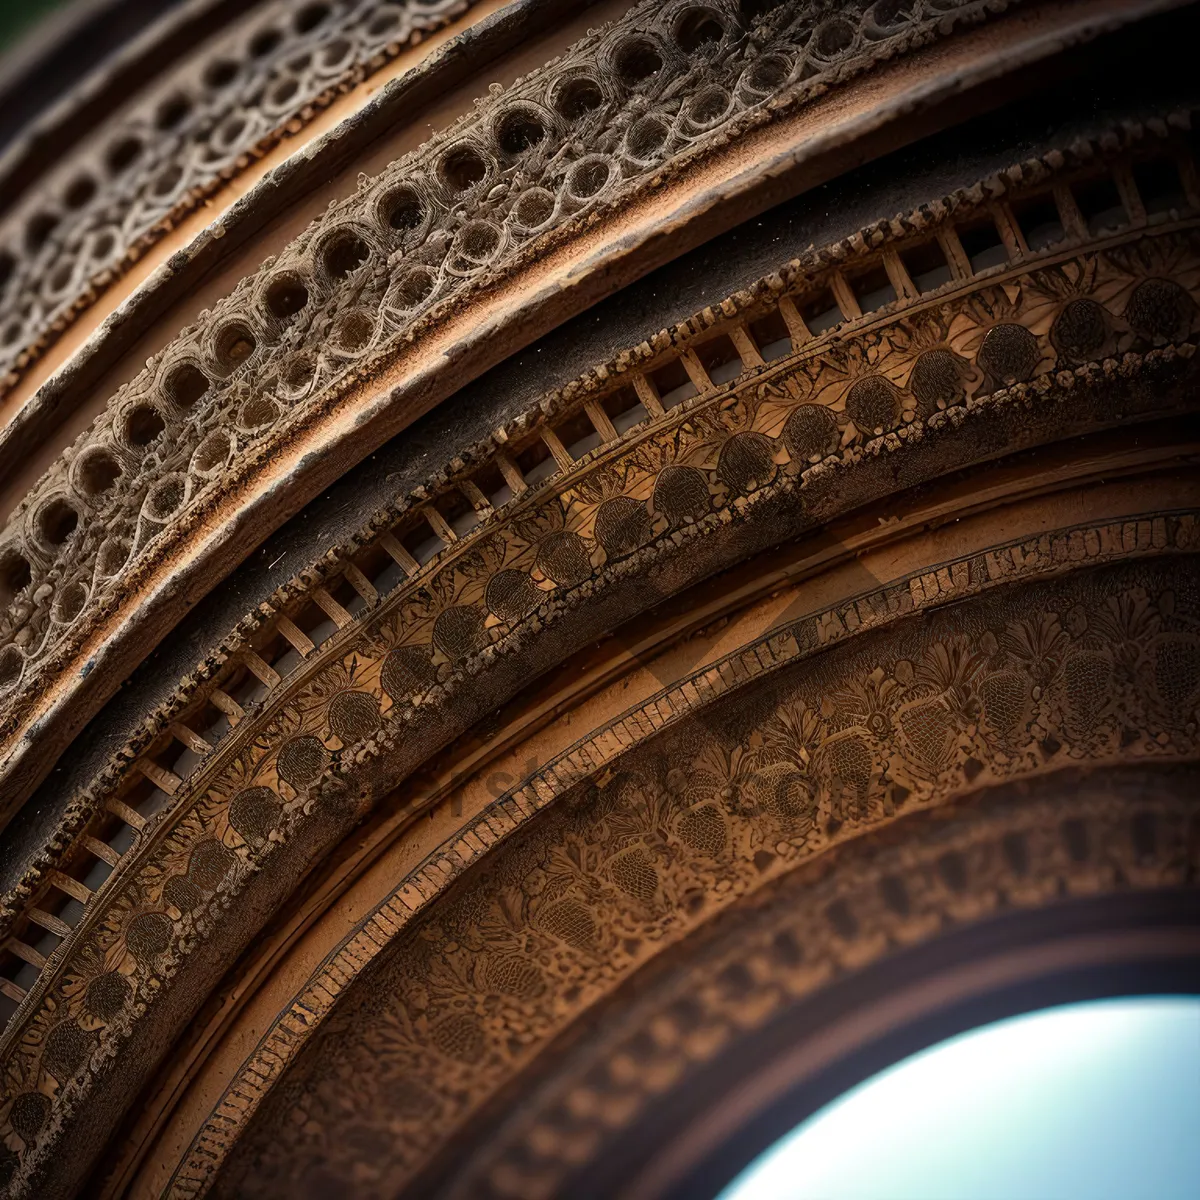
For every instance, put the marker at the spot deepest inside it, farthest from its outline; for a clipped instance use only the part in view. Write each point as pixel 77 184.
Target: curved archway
pixel 697 548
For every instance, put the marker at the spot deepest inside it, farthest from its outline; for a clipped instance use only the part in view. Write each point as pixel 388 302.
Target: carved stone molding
pixel 1036 849
pixel 568 512
pixel 177 144
pixel 349 717
pixel 155 479
pixel 52 615
pixel 862 603
pixel 643 832
pixel 596 753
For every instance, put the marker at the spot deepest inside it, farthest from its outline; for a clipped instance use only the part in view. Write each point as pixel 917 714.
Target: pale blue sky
pixel 1096 1101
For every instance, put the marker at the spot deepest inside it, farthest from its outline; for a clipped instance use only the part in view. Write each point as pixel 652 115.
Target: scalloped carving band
pixel 535 164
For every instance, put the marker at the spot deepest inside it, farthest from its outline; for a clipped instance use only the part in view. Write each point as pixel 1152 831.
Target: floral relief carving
pixel 545 157
pixel 379 675
pixel 1087 669
pixel 999 851
pixel 669 482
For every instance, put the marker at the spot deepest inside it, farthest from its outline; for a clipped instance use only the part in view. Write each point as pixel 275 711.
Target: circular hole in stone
pixel 518 130
pixel 577 97
pixel 15 574
pixel 768 73
pixel 8 265
pixel 212 453
pixel 264 41
pixel 62 277
pixel 114 554
pixel 638 61
pixel 257 413
pixel 535 207
pixel 343 252
pixel 143 424
pixel 353 332
pixel 708 107
pixel 57 521
pixel 286 296
pixel 833 37
pixel 646 137
pixel 382 24
pixel 478 241
pixel 335 52
pixel 220 73
pixel 230 131
pixel 283 91
pixel 404 208
pixel 168 180
pixel 98 472
pixel 39 229
pixel 413 288
pixel 588 177
pixel 887 13
pixel 164 498
pixel 80 192
pixel 697 30
pixel 234 344
pixel 121 154
pixel 309 17
pixel 185 385
pixel 68 604
pixel 297 373
pixel 172 112
pixel 462 169
pixel 103 245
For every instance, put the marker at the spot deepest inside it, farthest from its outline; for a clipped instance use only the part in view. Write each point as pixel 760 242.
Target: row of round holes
pixel 636 62
pixel 516 132
pixel 123 152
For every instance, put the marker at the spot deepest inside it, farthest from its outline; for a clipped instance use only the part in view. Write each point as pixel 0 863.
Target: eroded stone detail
pixel 380 677
pixel 177 144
